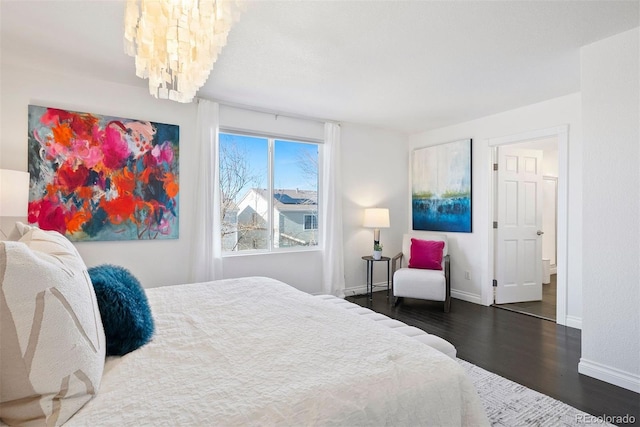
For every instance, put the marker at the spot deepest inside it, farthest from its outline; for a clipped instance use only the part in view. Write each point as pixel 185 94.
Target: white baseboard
pixel 381 286
pixel 574 322
pixel 466 296
pixel 362 289
pixel 610 375
pixel 355 290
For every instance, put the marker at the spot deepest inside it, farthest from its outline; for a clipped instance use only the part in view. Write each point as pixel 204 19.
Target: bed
pixel 255 351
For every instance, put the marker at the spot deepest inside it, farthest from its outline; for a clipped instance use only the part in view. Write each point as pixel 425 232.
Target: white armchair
pixel 419 283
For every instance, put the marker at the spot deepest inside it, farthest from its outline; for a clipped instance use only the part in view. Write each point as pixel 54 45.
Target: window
pixel 269 192
pixel 311 222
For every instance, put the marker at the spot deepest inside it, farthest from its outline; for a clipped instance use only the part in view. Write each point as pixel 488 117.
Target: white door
pixel 519 235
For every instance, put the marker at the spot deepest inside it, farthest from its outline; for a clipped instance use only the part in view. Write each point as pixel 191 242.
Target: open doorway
pixel 544 307
pixel 553 142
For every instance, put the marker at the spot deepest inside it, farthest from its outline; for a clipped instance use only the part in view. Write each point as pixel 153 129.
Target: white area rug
pixel 510 404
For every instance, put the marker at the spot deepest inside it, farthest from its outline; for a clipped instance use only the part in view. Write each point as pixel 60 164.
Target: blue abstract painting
pixel 441 187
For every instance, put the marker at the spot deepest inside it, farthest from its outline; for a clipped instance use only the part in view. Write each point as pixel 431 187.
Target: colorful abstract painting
pixel 441 187
pixel 97 177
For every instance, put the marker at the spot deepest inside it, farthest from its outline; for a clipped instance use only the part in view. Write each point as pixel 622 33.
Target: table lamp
pixel 376 218
pixel 14 195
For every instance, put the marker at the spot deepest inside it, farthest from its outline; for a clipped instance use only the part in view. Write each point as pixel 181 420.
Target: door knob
pixel 540 233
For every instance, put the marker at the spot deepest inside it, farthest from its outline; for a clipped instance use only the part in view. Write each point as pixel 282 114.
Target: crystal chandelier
pixel 176 42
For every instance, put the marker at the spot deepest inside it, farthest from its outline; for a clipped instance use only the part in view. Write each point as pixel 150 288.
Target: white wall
pixel 550 163
pixel 549 219
pixel 611 210
pixel 303 269
pixel 155 263
pixel 469 251
pixel 374 175
pixel 549 197
pixel 371 159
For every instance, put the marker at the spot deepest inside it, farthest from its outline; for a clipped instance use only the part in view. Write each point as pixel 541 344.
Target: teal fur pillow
pixel 126 315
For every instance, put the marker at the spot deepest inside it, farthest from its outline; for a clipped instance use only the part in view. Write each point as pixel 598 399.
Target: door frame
pixel 561 133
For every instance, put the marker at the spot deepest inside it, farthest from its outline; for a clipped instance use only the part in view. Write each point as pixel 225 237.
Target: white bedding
pixel 255 351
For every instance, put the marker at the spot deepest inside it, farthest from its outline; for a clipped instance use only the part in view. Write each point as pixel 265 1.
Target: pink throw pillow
pixel 426 254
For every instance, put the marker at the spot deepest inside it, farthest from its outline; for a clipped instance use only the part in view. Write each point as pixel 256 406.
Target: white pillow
pixel 52 344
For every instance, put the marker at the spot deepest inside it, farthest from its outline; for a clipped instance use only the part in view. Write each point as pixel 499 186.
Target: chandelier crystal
pixel 176 42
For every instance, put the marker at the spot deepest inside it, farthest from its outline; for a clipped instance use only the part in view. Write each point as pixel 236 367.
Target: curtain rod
pixel 268 111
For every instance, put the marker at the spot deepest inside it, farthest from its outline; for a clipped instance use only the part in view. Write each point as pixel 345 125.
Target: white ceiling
pixel 402 65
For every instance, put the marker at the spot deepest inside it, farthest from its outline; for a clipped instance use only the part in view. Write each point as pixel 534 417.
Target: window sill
pixel 272 252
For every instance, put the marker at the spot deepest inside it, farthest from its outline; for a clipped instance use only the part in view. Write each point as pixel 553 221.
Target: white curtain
pixel 331 206
pixel 206 251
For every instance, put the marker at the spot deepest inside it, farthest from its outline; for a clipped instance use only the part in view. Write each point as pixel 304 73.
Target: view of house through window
pixel 269 193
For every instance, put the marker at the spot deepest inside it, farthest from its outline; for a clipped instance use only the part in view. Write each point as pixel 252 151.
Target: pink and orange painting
pixel 98 177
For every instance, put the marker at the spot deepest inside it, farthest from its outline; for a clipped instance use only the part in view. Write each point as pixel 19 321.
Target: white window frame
pixel 271 138
pixel 312 220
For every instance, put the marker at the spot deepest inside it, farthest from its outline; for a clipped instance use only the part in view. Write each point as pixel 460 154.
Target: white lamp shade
pixel 376 218
pixel 14 193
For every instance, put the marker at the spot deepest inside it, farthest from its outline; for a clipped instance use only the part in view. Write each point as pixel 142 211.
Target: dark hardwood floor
pixel 533 352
